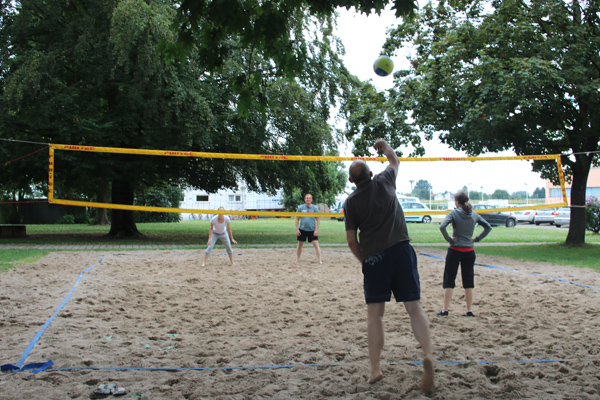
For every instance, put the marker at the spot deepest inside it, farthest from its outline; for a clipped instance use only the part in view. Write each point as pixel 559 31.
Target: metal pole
pixel 430 197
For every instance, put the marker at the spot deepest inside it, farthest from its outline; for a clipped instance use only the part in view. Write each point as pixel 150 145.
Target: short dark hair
pixel 359 173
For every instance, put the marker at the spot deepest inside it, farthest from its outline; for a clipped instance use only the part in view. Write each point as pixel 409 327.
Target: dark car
pixel 495 218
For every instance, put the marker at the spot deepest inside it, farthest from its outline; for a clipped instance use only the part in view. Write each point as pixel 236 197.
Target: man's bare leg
pixel 318 250
pixel 375 339
pixel 231 259
pixel 420 327
pixel 205 258
pixel 427 379
pixel 299 251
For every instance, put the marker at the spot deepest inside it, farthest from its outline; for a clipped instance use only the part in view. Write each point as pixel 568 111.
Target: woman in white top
pixel 217 231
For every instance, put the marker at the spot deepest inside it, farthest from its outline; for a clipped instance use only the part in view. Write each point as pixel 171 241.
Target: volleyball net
pixel 500 183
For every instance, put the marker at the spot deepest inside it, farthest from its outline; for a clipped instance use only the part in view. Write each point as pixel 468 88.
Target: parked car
pixel 406 207
pixel 338 208
pixel 562 216
pixel 525 215
pixel 421 208
pixel 544 216
pixel 495 218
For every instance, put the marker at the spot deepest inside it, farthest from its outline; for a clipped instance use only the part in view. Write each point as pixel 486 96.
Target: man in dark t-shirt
pixel 377 235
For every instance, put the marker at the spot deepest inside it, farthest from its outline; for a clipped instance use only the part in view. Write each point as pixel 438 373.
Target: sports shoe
pixel 442 313
pixel 469 314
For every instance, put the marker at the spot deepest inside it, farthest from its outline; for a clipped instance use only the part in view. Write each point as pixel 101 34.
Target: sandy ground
pixel 304 322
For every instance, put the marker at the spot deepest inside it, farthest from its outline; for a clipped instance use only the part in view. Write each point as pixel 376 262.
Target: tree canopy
pixel 90 73
pixel 268 29
pixel 488 76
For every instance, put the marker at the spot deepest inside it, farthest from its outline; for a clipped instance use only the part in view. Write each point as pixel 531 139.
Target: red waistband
pixel 463 249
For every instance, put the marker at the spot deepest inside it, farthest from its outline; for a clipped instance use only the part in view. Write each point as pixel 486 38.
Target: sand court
pixel 163 327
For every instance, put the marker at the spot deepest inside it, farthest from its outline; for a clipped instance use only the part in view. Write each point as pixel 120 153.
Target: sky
pixel 363 38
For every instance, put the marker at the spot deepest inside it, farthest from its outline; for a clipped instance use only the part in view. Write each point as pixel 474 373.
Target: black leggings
pixel 466 261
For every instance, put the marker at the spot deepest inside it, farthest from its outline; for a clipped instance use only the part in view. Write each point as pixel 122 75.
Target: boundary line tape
pixel 523 272
pixel 42 366
pixel 289 366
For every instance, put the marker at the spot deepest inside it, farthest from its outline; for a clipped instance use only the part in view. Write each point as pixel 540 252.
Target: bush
pixel 8 214
pixel 592 214
pixel 66 220
pixel 168 197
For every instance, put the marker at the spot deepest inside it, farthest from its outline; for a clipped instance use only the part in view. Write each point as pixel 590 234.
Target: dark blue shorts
pixel 394 270
pixel 307 234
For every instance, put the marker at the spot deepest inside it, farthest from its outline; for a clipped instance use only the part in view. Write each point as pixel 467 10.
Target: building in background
pixel 238 199
pixel 554 192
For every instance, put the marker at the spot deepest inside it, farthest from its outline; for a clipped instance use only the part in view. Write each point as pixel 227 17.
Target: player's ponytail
pixel 463 201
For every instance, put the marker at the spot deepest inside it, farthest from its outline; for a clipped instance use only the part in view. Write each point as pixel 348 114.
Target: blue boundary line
pixel 528 273
pixel 288 366
pixel 560 360
pixel 40 366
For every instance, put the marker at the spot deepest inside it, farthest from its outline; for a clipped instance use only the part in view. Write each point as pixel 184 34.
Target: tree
pixel 497 75
pixel 20 161
pixel 169 197
pixel 500 194
pixel 475 195
pixel 539 193
pixel 423 184
pixel 87 73
pixel 325 185
pixel 592 211
pixel 268 29
pixel 422 189
pixel 371 115
pixel 520 194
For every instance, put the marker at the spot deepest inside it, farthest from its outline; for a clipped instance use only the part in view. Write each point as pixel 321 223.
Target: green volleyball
pixel 383 66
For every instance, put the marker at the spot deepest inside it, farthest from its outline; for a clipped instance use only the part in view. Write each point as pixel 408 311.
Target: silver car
pixel 338 208
pixel 544 216
pixel 562 216
pixel 416 207
pixel 524 216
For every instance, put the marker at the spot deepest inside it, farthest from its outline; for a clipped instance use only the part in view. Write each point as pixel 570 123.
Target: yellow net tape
pixel 273 157
pixel 276 157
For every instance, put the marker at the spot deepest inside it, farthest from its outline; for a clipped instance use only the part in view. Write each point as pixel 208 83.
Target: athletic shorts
pixel 307 234
pixel 466 261
pixel 394 270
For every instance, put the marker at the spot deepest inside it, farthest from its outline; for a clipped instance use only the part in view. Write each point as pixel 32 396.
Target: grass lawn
pixel 281 231
pixel 263 231
pixel 11 258
pixel 587 256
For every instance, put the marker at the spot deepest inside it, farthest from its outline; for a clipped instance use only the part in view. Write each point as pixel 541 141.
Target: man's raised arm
pixel 382 145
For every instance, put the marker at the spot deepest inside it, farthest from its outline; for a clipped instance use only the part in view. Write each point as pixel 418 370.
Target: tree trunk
pixel 102 213
pixel 581 170
pixel 17 214
pixel 122 221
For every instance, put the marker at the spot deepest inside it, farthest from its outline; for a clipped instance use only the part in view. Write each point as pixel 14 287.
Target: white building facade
pixel 238 199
